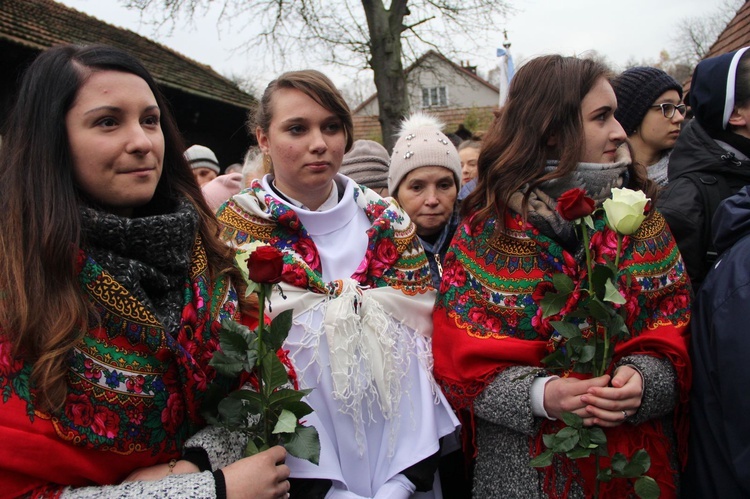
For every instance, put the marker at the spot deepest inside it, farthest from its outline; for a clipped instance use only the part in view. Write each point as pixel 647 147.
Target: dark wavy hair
pixel 544 102
pixel 44 310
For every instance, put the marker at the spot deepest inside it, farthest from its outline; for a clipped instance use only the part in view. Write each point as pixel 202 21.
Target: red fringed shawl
pixel 487 318
pixel 134 390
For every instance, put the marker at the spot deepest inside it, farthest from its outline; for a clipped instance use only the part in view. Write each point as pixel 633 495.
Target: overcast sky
pixel 620 30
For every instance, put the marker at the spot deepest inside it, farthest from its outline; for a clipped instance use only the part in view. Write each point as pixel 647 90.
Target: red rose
pixel 173 414
pixel 265 265
pixel 478 316
pixel 296 276
pixel 386 252
pixel 574 204
pixel 79 410
pixel 309 253
pixel 106 422
pixel 453 274
pixel 8 363
pixel 541 289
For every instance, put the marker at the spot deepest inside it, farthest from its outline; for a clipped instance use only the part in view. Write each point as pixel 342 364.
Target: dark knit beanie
pixel 637 89
pixel 367 164
pixel 712 89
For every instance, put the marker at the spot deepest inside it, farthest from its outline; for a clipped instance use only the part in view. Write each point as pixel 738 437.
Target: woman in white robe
pixel 359 284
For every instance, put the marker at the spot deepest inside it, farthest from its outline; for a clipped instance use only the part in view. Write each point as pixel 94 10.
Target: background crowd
pixel 418 279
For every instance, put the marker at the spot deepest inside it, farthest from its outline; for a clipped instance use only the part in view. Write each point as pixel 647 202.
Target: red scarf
pixel 470 348
pixel 134 390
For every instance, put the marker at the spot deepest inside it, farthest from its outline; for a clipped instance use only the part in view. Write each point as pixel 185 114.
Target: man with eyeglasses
pixel 711 158
pixel 650 110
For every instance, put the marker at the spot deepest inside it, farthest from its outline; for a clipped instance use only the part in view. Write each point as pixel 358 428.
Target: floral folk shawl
pixel 393 280
pixel 394 257
pixel 487 318
pixel 134 391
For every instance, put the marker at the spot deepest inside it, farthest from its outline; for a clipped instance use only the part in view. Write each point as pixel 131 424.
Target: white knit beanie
pixel 421 143
pixel 202 157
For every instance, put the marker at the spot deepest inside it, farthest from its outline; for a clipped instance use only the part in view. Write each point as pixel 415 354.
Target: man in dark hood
pixel 711 159
pixel 719 457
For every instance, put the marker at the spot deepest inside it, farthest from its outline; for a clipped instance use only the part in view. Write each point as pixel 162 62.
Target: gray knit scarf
pixel 597 179
pixel 148 255
pixel 658 171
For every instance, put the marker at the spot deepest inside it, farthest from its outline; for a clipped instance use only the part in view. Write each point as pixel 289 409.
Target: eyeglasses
pixel 668 109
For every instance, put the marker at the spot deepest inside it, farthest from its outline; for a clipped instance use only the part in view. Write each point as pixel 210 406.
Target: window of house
pixel 434 96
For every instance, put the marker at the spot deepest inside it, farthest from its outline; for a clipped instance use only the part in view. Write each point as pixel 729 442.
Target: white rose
pixel 625 210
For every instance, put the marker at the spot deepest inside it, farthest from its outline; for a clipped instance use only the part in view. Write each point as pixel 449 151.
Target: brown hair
pixel 44 309
pixel 470 144
pixel 544 102
pixel 315 85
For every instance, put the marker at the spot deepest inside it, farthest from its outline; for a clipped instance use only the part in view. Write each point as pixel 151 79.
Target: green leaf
pixel 286 423
pixel 599 276
pixel 300 409
pixel 274 373
pixel 647 488
pixel 251 449
pixel 572 420
pixel 253 399
pixel 638 465
pixel 599 310
pixel 251 356
pixel 618 329
pixel 611 294
pixel 284 396
pixel 542 460
pixel 549 440
pixel 552 303
pixel 566 439
pixel 234 338
pixel 566 329
pixel 563 283
pixel 280 326
pixel 597 436
pixel 225 365
pixel 304 443
pixel 587 353
pixel 604 475
pixel 555 359
pixel 232 412
pixel 589 222
pixel 578 453
pixel 618 463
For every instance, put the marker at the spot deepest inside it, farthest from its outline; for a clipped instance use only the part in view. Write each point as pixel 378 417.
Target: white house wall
pixel 463 91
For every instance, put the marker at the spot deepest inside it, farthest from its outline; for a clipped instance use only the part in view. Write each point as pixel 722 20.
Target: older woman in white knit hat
pixel 424 177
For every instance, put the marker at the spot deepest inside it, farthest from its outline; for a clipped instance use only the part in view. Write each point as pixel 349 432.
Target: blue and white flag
pixel 505 65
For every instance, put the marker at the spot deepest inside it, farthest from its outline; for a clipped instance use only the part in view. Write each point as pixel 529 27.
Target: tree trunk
pixel 385 28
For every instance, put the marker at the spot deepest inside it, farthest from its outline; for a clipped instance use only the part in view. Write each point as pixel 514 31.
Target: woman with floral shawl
pixel 113 287
pixel 490 333
pixel 359 284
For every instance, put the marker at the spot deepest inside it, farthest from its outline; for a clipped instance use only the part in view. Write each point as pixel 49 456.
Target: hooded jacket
pixel 689 200
pixel 682 203
pixel 719 458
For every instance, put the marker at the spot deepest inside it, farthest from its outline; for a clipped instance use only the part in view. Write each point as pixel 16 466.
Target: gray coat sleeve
pixel 659 387
pixel 183 486
pixel 507 400
pixel 222 446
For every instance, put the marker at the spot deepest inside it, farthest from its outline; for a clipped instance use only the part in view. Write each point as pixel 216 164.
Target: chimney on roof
pixel 466 66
